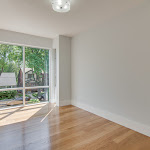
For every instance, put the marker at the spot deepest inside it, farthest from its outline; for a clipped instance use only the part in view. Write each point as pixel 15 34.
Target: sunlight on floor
pixel 21 114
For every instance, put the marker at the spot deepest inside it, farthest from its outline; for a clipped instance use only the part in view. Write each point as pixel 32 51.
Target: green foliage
pixel 28 96
pixel 7 95
pixel 20 95
pixel 34 101
pixel 36 94
pixel 37 59
pixel 10 58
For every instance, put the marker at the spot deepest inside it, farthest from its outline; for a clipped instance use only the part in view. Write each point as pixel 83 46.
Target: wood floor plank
pixel 48 127
pixel 123 136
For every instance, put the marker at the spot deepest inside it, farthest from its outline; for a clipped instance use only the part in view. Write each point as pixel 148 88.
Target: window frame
pixel 24 88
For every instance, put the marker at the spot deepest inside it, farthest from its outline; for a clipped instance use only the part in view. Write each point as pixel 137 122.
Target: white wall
pixel 25 39
pixel 111 66
pixel 53 76
pixel 62 44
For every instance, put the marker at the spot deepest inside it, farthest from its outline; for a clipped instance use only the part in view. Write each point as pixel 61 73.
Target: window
pixel 24 75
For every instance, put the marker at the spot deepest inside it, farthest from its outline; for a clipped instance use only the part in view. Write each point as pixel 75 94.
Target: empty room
pixel 74 74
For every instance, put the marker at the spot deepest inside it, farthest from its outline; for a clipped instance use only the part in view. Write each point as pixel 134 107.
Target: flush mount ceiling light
pixel 61 5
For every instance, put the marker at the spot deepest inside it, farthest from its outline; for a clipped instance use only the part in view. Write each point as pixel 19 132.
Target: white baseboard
pixel 64 102
pixel 138 127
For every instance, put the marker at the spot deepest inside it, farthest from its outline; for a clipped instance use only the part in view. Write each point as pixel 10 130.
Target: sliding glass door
pixel 24 75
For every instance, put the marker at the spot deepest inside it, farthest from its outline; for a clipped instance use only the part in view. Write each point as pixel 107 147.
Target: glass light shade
pixel 61 5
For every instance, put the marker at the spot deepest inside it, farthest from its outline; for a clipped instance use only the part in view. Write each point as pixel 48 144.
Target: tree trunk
pixel 1 70
pixel 38 82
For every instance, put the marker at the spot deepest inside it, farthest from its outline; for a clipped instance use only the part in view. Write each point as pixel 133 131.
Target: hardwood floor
pixel 47 127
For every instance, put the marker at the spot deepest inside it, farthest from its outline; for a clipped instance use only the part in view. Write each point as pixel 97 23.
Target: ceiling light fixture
pixel 61 5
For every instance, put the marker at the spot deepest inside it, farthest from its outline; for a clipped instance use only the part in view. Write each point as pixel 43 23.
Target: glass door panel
pixel 36 67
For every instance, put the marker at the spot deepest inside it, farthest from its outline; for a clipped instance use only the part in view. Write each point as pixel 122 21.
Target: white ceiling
pixel 36 17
